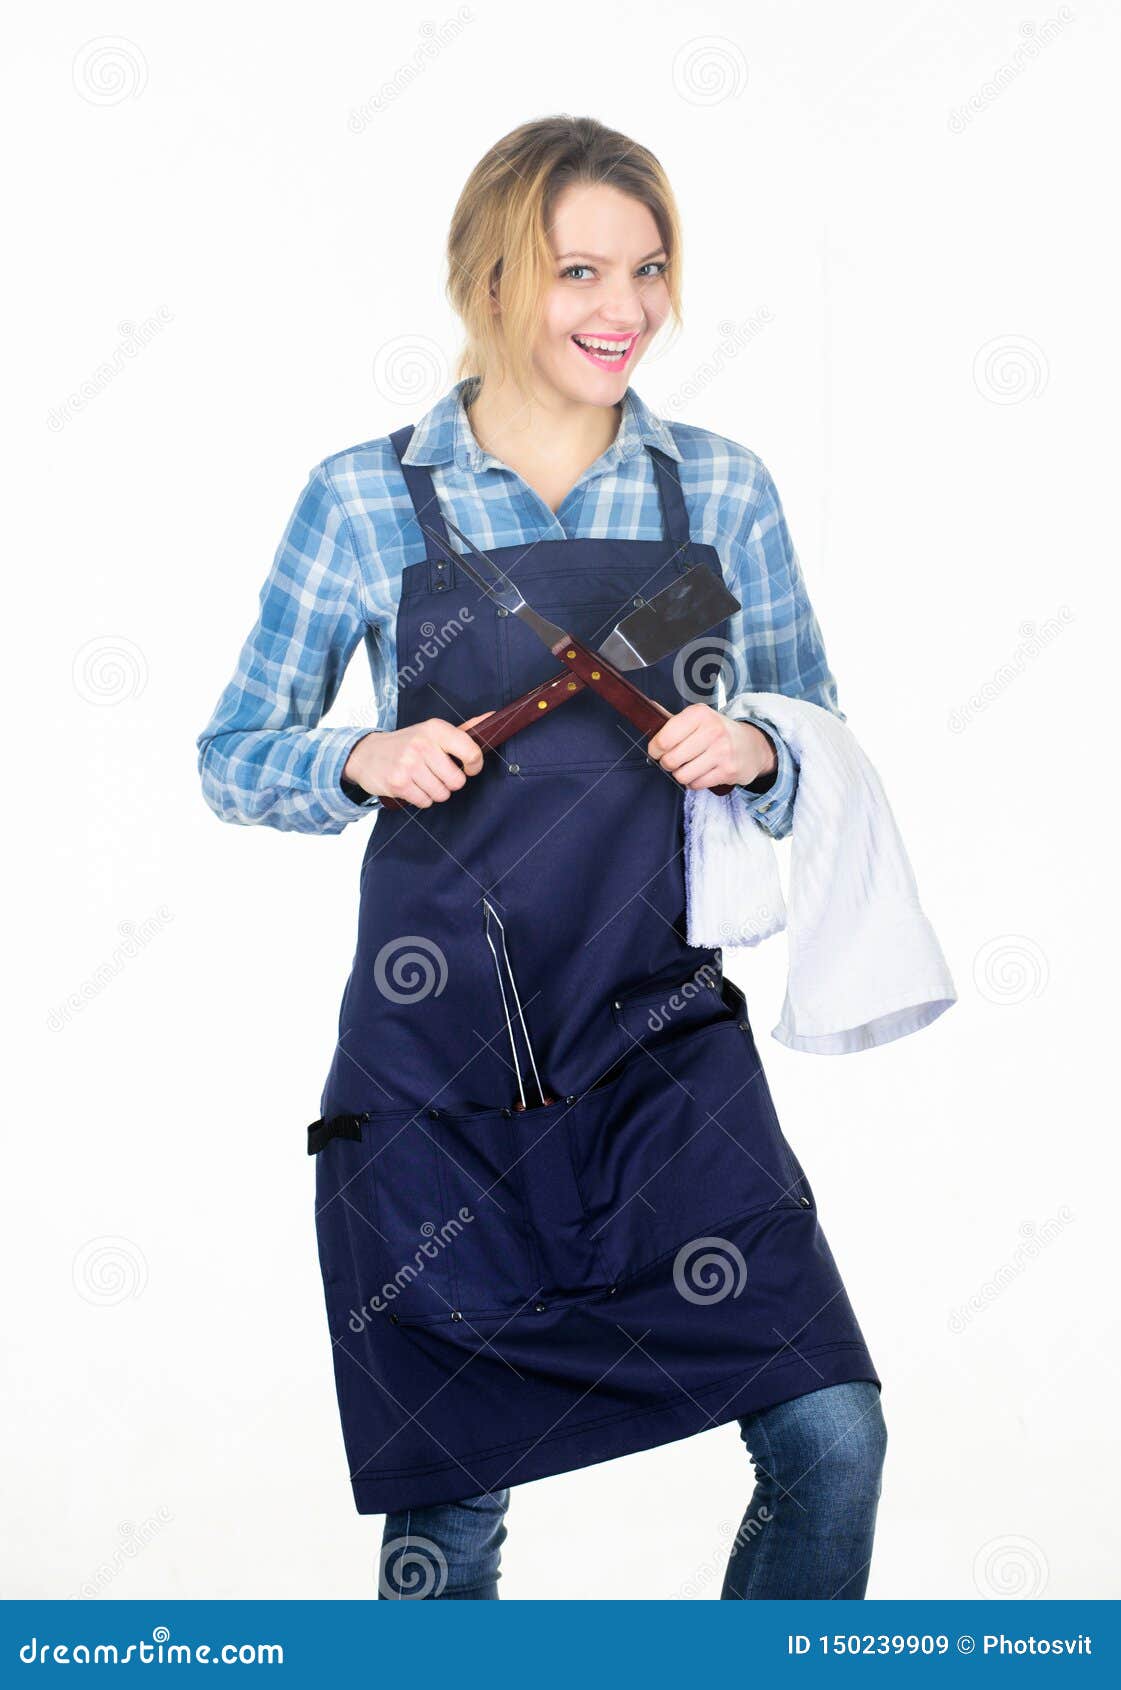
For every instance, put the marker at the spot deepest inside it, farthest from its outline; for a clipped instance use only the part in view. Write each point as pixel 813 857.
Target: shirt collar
pixel 444 434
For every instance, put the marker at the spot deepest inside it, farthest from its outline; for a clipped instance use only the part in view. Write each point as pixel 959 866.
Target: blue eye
pixel 658 265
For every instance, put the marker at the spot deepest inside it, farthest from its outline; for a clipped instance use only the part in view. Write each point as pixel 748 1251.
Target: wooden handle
pixel 585 668
pixel 645 713
pixel 511 718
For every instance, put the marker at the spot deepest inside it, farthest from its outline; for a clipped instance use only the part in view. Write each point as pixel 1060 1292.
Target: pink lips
pixel 606 363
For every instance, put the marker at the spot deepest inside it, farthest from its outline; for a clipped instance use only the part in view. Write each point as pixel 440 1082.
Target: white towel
pixel 865 965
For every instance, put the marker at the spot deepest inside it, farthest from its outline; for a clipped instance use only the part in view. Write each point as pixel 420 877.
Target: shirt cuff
pixel 327 777
pixel 771 809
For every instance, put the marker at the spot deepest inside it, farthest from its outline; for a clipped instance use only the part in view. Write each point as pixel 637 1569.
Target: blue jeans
pixel 807 1531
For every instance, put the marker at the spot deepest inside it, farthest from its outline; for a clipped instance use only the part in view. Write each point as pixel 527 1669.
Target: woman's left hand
pixel 699 747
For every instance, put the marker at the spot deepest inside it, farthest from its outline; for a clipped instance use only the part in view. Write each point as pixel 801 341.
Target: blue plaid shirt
pixel 336 580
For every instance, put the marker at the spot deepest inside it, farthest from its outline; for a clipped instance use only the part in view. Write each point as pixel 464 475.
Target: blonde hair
pixel 498 246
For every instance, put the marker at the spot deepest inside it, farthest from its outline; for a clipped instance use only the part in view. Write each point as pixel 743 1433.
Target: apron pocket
pixel 423 1220
pixel 685 1140
pixel 654 1015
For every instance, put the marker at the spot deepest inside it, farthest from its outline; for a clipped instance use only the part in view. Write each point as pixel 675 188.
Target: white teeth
pixel 608 346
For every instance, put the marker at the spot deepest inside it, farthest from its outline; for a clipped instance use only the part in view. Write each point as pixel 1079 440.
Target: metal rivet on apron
pixel 438 586
pixel 613 1290
pixel 540 1307
pixel 571 1098
pixel 456 1315
pixel 805 1202
pixel 502 611
pixel 617 1004
pixel 638 600
pixel 507 1111
pixel 743 1026
pixel 433 1114
pixel 514 768
pixel 395 1320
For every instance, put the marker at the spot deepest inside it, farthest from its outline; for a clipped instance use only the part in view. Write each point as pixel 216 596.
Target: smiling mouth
pixel 608 351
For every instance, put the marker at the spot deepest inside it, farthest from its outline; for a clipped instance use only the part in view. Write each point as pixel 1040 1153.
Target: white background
pixel 897 215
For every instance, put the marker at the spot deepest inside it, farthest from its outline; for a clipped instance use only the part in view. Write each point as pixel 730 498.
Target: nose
pixel 621 308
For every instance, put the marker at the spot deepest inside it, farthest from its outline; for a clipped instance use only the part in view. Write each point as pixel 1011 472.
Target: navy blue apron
pixel 517 1287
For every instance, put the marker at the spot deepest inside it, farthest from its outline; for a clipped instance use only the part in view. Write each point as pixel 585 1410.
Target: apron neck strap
pixel 418 480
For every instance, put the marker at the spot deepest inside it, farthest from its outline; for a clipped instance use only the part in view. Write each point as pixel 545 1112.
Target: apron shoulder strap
pixel 418 480
pixel 675 514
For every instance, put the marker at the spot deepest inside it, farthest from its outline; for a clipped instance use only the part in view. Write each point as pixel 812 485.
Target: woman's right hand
pixel 415 764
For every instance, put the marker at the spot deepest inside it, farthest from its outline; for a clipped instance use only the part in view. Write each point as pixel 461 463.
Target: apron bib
pixel 516 1288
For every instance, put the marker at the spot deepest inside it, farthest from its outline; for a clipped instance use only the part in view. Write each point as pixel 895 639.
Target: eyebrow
pixel 600 259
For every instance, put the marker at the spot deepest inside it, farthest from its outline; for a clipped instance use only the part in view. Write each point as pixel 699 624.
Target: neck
pixel 510 423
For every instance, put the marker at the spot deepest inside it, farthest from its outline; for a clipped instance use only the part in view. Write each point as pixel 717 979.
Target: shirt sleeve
pixel 261 757
pixel 778 647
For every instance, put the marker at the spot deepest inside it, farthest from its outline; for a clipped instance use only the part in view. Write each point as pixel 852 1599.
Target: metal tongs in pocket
pixel 683 611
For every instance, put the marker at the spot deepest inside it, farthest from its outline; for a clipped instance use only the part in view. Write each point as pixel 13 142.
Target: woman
pixel 558 1220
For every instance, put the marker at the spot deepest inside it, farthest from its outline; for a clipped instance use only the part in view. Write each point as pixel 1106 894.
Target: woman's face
pixel 607 287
